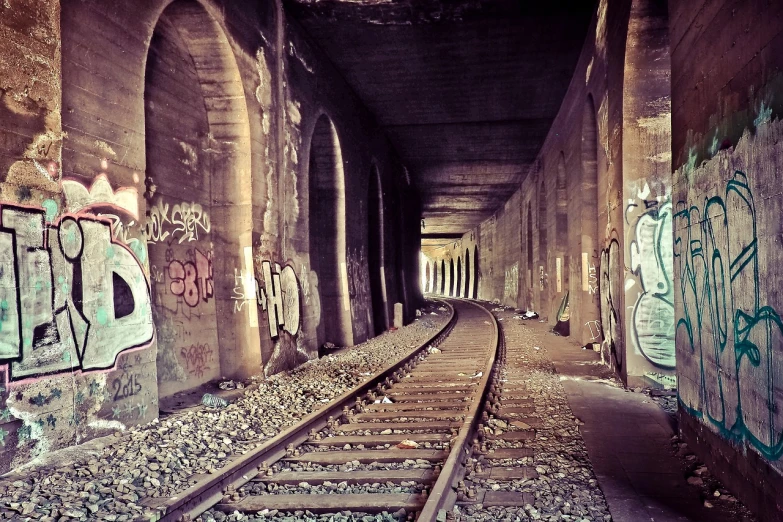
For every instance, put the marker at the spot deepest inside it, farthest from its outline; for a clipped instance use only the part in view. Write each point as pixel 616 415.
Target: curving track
pixel 408 434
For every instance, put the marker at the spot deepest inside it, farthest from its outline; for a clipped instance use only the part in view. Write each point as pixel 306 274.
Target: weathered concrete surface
pixel 155 190
pixel 728 154
pixel 583 239
pixel 466 90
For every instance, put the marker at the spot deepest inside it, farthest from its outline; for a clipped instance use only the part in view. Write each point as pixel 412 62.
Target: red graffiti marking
pixel 192 281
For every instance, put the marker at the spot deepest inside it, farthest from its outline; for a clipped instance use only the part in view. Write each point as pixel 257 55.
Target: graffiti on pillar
pixel 279 298
pixel 101 200
pixel 191 278
pixel 198 358
pixel 180 222
pixel 99 196
pixel 594 327
pixel 511 283
pixel 650 257
pixel 592 278
pixel 245 290
pixel 732 339
pixel 609 298
pixel 70 296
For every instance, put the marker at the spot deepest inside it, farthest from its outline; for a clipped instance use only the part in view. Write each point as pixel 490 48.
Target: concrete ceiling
pixel 465 89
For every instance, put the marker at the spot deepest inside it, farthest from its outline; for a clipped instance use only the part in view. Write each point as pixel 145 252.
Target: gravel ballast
pixel 566 488
pixel 160 459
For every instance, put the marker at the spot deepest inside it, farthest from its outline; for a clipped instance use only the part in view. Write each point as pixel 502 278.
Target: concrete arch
pixel 451 278
pixel 442 277
pixel 458 285
pixel 376 243
pixel 435 274
pixel 561 192
pixel 585 309
pixel 476 272
pixel 466 290
pixel 529 247
pixel 197 143
pixel 543 270
pixel 327 234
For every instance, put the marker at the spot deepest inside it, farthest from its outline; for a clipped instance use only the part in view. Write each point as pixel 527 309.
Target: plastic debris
pixel 213 401
pixel 408 444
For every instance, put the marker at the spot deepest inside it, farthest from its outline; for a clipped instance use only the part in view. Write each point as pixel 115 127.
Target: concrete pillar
pixel 398 315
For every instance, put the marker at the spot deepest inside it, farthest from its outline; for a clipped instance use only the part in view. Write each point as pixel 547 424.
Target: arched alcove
pixel 434 287
pixel 442 277
pixel 588 312
pixel 376 252
pixel 561 223
pixel 475 271
pixel 466 290
pixel 327 233
pixel 529 246
pixel 451 278
pixel 543 251
pixel 427 275
pixel 197 141
pixel 458 286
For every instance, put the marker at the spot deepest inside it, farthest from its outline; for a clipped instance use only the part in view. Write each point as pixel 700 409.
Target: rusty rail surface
pixel 209 492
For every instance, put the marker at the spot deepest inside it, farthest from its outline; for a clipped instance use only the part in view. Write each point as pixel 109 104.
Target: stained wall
pixel 155 160
pixel 727 228
pixel 584 237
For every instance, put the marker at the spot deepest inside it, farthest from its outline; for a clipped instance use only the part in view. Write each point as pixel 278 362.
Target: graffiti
pixel 198 358
pixel 100 194
pixel 121 232
pixel 592 279
pixel 70 296
pixel 609 298
pixel 542 278
pixel 511 283
pixel 180 222
pixel 245 290
pixel 652 326
pixel 126 385
pixel 280 298
pixel 192 280
pixel 595 329
pixel 730 338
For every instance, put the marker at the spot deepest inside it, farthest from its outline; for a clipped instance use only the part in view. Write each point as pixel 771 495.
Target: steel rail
pixel 443 495
pixel 209 492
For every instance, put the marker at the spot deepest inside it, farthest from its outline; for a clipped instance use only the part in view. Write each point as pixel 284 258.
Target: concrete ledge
pixel 741 470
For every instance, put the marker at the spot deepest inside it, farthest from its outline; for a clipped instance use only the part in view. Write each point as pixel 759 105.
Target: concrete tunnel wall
pixel 155 162
pixel 727 206
pixel 583 232
pixel 679 276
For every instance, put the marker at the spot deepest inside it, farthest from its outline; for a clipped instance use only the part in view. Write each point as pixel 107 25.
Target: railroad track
pixel 409 442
